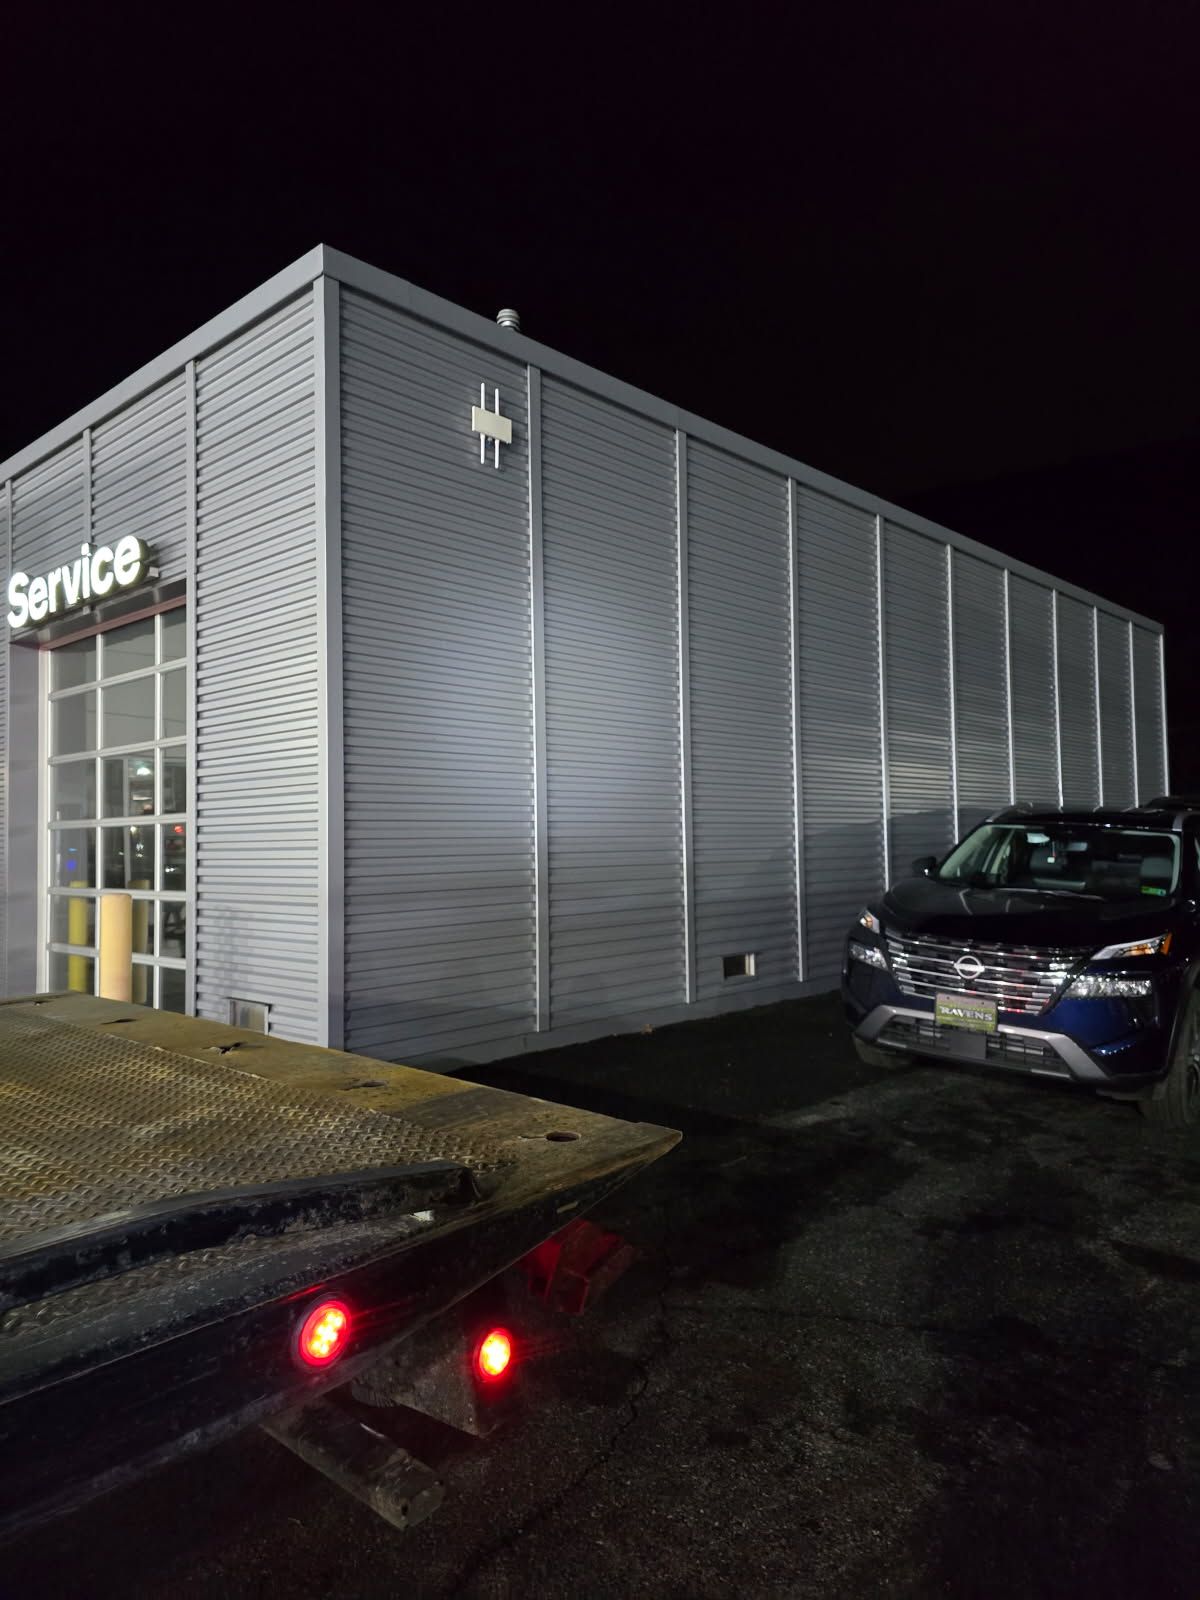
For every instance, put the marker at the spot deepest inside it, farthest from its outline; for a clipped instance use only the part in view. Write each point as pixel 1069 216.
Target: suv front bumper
pixel 1035 1050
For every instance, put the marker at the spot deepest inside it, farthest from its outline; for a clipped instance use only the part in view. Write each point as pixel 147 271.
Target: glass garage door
pixel 117 789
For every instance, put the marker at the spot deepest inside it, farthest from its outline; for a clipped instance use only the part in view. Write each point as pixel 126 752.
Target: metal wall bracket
pixel 490 425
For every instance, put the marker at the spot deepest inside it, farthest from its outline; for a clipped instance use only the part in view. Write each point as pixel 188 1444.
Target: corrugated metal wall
pixel 743 793
pixel 916 676
pixel 611 609
pixel 980 690
pixel 139 482
pixel 257 676
pixel 1077 703
pixel 471 596
pixel 48 519
pixel 1034 718
pixel 1116 710
pixel 1148 709
pixel 439 844
pixel 5 647
pixel 136 464
pixel 841 770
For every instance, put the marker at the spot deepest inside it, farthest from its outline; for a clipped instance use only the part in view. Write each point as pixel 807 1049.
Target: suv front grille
pixel 925 1037
pixel 1019 978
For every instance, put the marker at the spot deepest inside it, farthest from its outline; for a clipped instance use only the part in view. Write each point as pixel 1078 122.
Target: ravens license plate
pixel 965 1011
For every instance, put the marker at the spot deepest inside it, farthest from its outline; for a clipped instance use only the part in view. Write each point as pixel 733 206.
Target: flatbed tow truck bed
pixel 179 1199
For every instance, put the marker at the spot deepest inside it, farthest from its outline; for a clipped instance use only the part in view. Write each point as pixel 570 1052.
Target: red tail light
pixel 324 1333
pixel 494 1354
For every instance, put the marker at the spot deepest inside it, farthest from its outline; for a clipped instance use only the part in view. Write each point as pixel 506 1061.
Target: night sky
pixel 949 253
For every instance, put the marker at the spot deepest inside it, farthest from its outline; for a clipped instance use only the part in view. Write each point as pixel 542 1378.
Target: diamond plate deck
pixel 95 1123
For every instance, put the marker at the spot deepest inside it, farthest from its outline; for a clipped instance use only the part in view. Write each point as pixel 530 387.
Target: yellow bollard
pixel 115 943
pixel 78 979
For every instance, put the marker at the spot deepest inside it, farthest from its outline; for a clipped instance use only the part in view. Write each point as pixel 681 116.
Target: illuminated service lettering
pixel 91 576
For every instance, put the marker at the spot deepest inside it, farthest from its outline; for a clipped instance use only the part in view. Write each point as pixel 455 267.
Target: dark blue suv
pixel 1057 942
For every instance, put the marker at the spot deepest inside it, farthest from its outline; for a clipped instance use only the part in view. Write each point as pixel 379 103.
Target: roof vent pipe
pixel 508 318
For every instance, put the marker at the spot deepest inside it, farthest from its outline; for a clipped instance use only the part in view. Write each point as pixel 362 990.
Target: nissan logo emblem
pixel 968 967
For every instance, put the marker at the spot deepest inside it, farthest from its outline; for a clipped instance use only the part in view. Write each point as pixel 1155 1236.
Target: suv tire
pixel 875 1055
pixel 1175 1102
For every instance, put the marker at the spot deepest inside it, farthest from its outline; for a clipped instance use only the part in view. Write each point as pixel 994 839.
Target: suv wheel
pixel 1175 1102
pixel 875 1055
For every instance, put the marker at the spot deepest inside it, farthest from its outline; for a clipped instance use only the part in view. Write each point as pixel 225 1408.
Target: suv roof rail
pixel 1171 802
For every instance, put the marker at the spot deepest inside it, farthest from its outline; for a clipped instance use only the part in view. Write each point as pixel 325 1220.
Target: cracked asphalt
pixel 926 1331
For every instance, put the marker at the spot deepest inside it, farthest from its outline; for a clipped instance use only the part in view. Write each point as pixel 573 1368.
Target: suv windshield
pixel 1068 858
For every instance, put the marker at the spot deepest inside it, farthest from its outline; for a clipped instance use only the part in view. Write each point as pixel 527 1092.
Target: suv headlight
pixel 1108 986
pixel 869 954
pixel 1159 945
pixel 868 920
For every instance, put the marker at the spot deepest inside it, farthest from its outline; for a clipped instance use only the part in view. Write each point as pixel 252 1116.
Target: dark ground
pixel 920 1332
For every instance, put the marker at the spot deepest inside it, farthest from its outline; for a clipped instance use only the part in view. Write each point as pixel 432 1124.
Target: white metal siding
pixel 980 689
pixel 139 482
pixel 1034 734
pixel 48 511
pixel 1116 710
pixel 5 648
pixel 610 564
pixel 1077 703
pixel 917 683
pixel 438 695
pixel 49 523
pixel 257 667
pixel 1149 711
pixel 841 777
pixel 741 719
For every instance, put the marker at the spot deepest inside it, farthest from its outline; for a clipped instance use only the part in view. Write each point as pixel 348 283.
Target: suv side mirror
pixel 924 865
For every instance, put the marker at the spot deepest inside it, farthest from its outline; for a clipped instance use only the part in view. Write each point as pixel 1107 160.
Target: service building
pixel 438 697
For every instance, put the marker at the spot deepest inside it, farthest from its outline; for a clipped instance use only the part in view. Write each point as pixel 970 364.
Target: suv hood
pixel 1004 916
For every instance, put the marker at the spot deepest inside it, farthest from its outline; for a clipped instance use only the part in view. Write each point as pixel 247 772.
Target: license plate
pixel 965 1011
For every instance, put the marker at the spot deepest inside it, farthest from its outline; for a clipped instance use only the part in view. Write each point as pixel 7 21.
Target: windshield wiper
pixel 979 880
pixel 1070 894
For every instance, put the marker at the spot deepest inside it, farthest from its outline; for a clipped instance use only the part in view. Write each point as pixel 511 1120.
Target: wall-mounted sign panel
pixel 92 576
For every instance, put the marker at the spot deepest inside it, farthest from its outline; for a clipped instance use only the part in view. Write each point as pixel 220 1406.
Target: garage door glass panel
pixel 73 791
pixel 73 858
pixel 174 855
pixel 128 785
pixel 174 704
pixel 174 635
pixel 72 919
pixel 173 932
pixel 76 973
pixel 74 664
pixel 129 711
pixel 144 919
pixel 129 649
pixel 128 858
pixel 174 989
pixel 73 724
pixel 174 781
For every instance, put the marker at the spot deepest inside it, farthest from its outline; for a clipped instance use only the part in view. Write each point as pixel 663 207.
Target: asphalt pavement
pixel 918 1331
